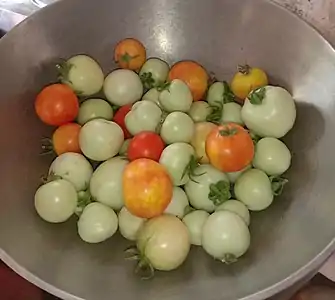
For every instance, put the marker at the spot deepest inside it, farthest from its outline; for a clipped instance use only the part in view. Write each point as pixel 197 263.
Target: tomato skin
pixel 66 138
pixel 119 118
pixel 57 104
pixel 147 188
pixel 130 54
pixel 230 148
pixel 146 145
pixel 194 75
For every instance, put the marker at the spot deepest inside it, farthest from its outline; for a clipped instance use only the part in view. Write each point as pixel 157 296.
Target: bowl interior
pixel 289 240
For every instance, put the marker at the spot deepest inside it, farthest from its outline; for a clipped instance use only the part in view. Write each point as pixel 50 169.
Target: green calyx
pixel 144 268
pixel 84 199
pixel 127 57
pixel 147 80
pixel 277 184
pixel 257 96
pixel 229 259
pixel 219 192
pixel 228 132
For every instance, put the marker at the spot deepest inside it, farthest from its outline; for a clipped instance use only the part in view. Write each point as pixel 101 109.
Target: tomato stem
pixel 147 80
pixel 277 184
pixel 228 132
pixel 244 69
pixel 257 96
pixel 229 259
pixel 47 146
pixel 190 169
pixel 219 192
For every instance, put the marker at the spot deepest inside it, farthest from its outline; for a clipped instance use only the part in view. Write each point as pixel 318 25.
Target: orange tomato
pixel 230 148
pixel 66 139
pixel 194 75
pixel 57 104
pixel 130 54
pixel 147 188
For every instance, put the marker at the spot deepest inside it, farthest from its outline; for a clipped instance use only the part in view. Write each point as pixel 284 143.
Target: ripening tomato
pixel 230 148
pixel 119 118
pixel 146 144
pixel 66 139
pixel 194 75
pixel 246 80
pixel 57 104
pixel 130 54
pixel 147 188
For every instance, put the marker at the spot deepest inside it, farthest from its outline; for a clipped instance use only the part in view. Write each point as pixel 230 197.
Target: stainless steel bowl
pixel 290 240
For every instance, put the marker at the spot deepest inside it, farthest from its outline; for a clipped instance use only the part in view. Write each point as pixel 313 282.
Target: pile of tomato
pixel 180 157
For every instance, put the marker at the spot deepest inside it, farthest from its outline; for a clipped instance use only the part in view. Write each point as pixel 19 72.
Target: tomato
pixel 194 75
pixel 147 188
pixel 146 145
pixel 130 54
pixel 246 80
pixel 119 118
pixel 229 148
pixel 66 139
pixel 57 104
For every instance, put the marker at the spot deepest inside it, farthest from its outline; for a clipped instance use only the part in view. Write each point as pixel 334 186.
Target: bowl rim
pixel 272 290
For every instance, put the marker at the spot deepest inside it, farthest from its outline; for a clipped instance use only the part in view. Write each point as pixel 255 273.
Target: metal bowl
pixel 289 241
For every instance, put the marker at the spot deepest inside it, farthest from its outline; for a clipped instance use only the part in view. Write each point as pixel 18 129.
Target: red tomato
pixel 147 188
pixel 119 119
pixel 146 145
pixel 56 105
pixel 229 148
pixel 14 287
pixel 66 139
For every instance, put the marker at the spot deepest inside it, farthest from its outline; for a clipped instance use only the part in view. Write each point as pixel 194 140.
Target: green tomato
pixel 199 189
pixel 154 72
pixel 106 183
pixel 129 225
pixel 152 95
pixel 123 87
pixel 177 127
pixel 124 148
pixel 254 189
pixel 94 109
pixel 236 207
pixel 195 222
pixel 225 236
pixel 272 156
pixel 100 139
pixel 215 93
pixel 233 176
pixel 178 203
pixel 199 111
pixel 270 112
pixel 175 158
pixel 56 201
pixel 97 223
pixel 83 74
pixel 232 113
pixel 177 97
pixel 144 116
